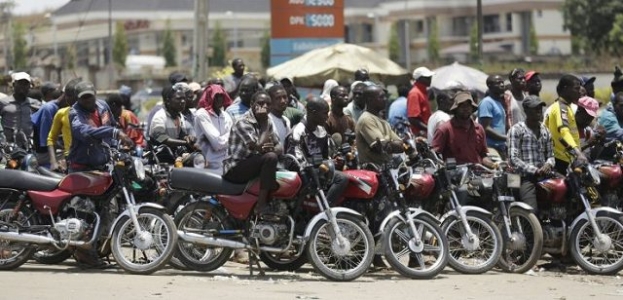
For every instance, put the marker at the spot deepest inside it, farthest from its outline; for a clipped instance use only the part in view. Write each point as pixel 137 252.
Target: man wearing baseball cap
pixel 584 116
pixel 16 110
pixel 418 107
pixel 533 83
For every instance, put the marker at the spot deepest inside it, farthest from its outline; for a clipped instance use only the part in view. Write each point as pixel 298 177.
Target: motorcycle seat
pixel 46 172
pixel 22 180
pixel 203 181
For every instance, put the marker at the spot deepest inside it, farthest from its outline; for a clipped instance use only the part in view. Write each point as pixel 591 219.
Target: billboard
pixel 298 26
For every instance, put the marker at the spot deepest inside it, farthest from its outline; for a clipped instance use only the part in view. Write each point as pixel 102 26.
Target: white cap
pixel 422 72
pixel 21 76
pixel 194 86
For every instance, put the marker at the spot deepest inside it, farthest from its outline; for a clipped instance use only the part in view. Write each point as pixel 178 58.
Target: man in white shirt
pixel 444 103
pixel 281 123
pixel 515 96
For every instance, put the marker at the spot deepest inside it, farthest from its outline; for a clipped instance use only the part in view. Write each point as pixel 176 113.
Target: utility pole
pixel 200 40
pixel 407 39
pixel 7 44
pixel 480 30
pixel 111 66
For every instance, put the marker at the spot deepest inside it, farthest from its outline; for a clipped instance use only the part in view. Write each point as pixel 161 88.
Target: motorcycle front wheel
pixel 422 261
pixel 146 249
pixel 593 255
pixel 523 248
pixel 344 262
pixel 477 254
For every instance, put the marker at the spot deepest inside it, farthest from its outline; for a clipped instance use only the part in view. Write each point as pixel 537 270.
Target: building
pixel 80 29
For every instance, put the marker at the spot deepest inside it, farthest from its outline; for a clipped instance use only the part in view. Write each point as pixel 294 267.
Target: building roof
pixel 81 6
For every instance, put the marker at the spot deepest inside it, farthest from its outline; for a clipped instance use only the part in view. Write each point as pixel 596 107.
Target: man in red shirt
pixel 418 107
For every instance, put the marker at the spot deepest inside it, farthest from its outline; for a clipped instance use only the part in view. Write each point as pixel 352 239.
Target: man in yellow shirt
pixel 61 125
pixel 561 121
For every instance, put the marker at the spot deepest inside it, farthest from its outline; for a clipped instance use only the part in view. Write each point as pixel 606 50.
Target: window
pixel 461 26
pixel 492 24
pixel 368 33
pixel 509 22
pixel 419 26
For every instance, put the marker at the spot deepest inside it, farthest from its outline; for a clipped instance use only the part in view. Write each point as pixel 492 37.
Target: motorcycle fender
pixel 522 205
pixel 465 209
pixel 323 216
pixel 596 212
pixel 413 212
pixel 138 208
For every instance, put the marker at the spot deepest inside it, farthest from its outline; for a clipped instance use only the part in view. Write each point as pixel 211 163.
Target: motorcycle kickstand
pixel 254 258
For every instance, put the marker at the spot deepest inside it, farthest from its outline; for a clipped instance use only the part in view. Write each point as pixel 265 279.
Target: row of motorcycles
pixel 419 212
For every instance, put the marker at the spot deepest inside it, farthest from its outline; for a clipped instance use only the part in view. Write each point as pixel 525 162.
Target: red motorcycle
pixel 611 176
pixel 338 243
pixel 41 213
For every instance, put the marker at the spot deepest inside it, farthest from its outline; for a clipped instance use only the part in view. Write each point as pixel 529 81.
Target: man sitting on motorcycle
pixel 169 127
pixel 316 142
pixel 530 149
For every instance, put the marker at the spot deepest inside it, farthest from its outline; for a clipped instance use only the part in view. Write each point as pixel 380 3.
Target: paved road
pixel 34 281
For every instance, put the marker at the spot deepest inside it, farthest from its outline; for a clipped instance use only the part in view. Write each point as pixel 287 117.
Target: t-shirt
pixel 281 127
pixel 317 142
pixel 340 124
pixel 516 109
pixel 466 144
pixel 353 111
pixel 418 105
pixel 490 108
pixel 561 123
pixel 439 117
pixel 369 129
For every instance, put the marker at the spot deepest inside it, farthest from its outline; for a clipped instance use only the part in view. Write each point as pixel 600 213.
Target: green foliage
pixel 393 46
pixel 534 41
pixel 592 20
pixel 616 36
pixel 168 47
pixel 265 52
pixel 473 43
pixel 219 47
pixel 120 46
pixel 433 42
pixel 20 47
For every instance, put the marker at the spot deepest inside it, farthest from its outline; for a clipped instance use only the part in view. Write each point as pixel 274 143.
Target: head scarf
pixel 326 90
pixel 207 98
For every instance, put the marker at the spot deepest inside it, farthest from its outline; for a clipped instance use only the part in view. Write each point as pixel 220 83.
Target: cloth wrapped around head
pixel 207 98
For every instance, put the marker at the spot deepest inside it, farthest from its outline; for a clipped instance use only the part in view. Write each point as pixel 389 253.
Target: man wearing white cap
pixel 16 110
pixel 418 107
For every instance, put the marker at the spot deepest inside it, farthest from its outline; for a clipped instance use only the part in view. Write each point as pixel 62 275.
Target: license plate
pixel 513 181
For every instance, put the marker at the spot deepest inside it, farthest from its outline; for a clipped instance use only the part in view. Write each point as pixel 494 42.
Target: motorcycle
pixel 594 236
pixel 44 213
pixel 336 240
pixel 474 240
pixel 611 176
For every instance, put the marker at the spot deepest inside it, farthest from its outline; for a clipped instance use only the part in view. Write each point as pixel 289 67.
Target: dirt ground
pixel 66 281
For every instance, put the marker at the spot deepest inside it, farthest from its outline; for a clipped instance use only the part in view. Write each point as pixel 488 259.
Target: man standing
pixel 248 87
pixel 362 75
pixel 418 107
pixel 48 91
pixel 398 108
pixel 533 83
pixel 61 125
pixel 15 112
pixel 492 116
pixel 357 105
pixel 561 121
pixel 232 81
pixel 279 103
pixel 530 149
pixel 338 122
pixel 42 123
pixel 514 96
pixel 584 116
pixel 169 126
pixel 442 115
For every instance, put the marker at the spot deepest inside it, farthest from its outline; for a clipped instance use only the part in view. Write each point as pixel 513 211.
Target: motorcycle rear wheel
pixel 200 257
pixel 489 236
pixel 163 234
pixel 432 258
pixel 15 254
pixel 521 261
pixel 582 245
pixel 337 266
pixel 287 261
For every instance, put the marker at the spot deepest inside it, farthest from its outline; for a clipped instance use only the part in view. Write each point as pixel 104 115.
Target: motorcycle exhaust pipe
pixel 210 241
pixel 26 238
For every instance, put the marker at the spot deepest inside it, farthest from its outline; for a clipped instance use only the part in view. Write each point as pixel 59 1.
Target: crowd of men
pixel 242 124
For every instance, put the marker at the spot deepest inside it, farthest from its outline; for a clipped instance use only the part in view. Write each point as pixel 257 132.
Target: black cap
pixel 176 77
pixel 85 88
pixel 532 101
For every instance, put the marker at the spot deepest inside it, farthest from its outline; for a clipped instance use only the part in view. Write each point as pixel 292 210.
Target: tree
pixel 591 20
pixel 473 43
pixel 393 46
pixel 20 47
pixel 616 36
pixel 70 57
pixel 534 41
pixel 265 53
pixel 219 46
pixel 120 46
pixel 168 47
pixel 433 42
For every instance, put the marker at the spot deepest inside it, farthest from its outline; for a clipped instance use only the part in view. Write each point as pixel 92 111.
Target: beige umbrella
pixel 338 62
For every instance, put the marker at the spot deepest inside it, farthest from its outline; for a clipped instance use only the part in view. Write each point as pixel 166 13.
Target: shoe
pixel 88 259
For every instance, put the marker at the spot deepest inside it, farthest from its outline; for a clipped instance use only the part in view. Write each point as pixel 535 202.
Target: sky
pixel 24 7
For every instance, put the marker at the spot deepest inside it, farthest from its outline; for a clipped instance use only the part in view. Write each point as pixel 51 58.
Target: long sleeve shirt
pixel 213 136
pixel 528 152
pixel 61 125
pixel 561 124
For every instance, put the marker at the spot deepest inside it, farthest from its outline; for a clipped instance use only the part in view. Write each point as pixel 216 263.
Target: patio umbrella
pixel 468 77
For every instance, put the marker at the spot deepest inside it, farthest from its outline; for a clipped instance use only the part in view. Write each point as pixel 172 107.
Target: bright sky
pixel 24 7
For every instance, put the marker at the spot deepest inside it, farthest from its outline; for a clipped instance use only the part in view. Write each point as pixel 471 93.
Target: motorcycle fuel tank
pixel 611 174
pixel 289 185
pixel 552 189
pixel 90 183
pixel 362 184
pixel 421 185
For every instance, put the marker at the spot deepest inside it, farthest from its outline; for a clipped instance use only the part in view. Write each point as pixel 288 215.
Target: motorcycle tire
pixel 52 256
pixel 164 247
pixel 393 240
pixel 280 263
pixel 533 239
pixel 584 228
pixel 492 232
pixel 320 242
pixel 27 251
pixel 195 212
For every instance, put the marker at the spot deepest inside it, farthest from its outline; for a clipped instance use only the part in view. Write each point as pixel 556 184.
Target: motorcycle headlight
pixel 327 170
pixel 139 168
pixel 199 161
pixel 30 163
pixel 594 175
